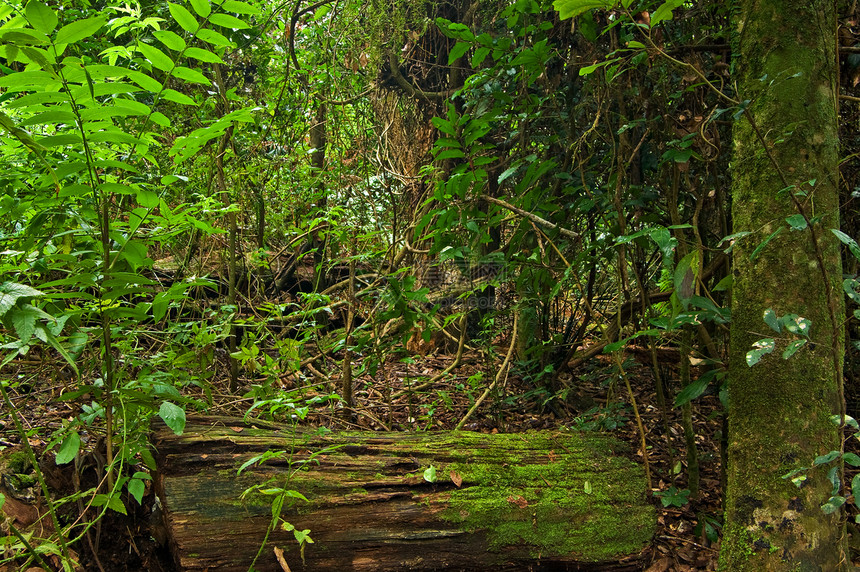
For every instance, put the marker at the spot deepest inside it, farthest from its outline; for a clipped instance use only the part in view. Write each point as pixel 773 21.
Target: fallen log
pixel 536 501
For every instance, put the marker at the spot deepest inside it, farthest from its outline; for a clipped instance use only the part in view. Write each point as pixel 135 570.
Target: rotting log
pixel 530 501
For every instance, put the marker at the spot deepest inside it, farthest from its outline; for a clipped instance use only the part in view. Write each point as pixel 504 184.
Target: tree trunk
pixel 785 164
pixel 536 501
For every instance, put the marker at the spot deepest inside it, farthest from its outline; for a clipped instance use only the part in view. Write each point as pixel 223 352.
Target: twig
pixel 502 369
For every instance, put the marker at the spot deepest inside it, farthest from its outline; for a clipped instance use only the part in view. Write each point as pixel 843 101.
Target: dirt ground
pixel 590 398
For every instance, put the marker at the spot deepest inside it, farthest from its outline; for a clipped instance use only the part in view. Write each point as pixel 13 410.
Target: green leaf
pixel 691 391
pixel 824 459
pixel 664 12
pixel 80 29
pixel 479 56
pixel 176 97
pixel 203 55
pixel 202 7
pixel 50 117
pixel 228 21
pixel 833 504
pixel 771 319
pixel 144 81
pixel 457 51
pixel 11 291
pixel 136 487
pixel 27 79
pixel 796 222
pixel 569 8
pixel 68 448
pixel 450 154
pixel 239 7
pixel 40 16
pixel 156 57
pixel 855 489
pixel 797 325
pixel 190 75
pixel 430 474
pixel 170 39
pixel 764 243
pixel 762 348
pixel 214 38
pixel 792 348
pixel 173 416
pixel 852 459
pixel 184 18
pixel 845 239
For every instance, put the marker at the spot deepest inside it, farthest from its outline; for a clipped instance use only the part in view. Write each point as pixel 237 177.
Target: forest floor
pixel 596 400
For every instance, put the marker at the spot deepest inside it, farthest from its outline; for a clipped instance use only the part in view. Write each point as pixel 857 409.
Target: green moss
pixel 508 501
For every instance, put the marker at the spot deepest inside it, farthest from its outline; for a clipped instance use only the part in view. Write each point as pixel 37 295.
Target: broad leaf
pixel 80 29
pixel 184 18
pixel 40 16
pixel 569 8
pixel 69 448
pixel 173 416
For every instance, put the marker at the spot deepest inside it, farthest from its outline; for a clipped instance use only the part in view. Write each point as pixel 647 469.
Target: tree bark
pixel 539 500
pixel 785 164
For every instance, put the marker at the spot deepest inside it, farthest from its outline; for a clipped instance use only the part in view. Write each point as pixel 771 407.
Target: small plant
pixel 598 418
pixel 673 496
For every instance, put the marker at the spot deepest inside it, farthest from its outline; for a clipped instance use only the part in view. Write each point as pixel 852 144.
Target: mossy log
pixel 537 500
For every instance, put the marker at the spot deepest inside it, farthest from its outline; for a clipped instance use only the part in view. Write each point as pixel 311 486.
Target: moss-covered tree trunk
pixel 784 164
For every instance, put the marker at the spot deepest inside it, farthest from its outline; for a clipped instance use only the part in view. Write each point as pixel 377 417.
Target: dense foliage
pixel 301 194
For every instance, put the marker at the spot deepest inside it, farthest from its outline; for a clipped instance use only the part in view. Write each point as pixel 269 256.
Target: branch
pixel 404 84
pixel 531 216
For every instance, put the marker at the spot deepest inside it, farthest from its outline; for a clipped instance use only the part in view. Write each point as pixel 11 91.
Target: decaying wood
pixel 539 500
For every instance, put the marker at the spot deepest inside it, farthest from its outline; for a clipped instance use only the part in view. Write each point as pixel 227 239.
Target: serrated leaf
pixel 40 16
pixel 228 21
pixel 156 57
pixel 79 30
pixel 171 40
pixel 68 448
pixel 11 291
pixel 202 7
pixel 183 17
pixel 203 55
pixel 173 416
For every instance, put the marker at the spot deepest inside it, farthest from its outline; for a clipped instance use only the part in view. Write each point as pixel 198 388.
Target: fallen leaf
pixel 519 501
pixel 456 479
pixel 237 429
